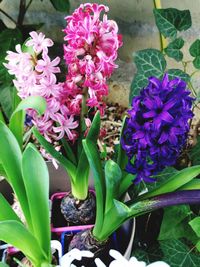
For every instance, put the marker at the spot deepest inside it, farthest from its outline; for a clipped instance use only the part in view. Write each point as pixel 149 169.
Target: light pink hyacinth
pixel 35 75
pixel 91 50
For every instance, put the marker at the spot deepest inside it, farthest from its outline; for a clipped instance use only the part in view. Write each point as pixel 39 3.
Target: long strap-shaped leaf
pixel 11 158
pixel 17 119
pixel 70 167
pixel 14 233
pixel 162 201
pixel 82 171
pixel 113 219
pixel 113 177
pixel 175 182
pixel 6 212
pixel 36 180
pixel 99 182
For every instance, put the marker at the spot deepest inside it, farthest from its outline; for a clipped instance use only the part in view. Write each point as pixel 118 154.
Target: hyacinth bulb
pixel 157 127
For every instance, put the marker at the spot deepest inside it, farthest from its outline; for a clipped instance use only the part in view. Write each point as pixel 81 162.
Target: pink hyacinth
pixel 91 50
pixel 35 75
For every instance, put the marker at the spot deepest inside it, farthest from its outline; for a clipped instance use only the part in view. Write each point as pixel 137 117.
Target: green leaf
pixel 194 153
pixel 195 52
pixel 80 183
pixel 8 39
pixel 195 48
pixel 69 167
pixel 138 83
pixel 7 213
pixel 149 62
pixel 113 219
pixel 3 264
pixel 174 73
pixel 192 185
pixel 195 224
pixel 6 99
pixel 171 20
pixel 113 177
pixel 174 216
pixel 36 180
pixel 173 49
pixel 61 5
pixel 11 159
pixel 16 234
pixel 17 119
pixel 126 182
pixel 99 183
pixel 69 152
pixel 175 182
pixel 177 254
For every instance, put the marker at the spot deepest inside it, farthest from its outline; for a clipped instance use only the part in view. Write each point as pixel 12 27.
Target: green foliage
pixel 171 20
pixel 17 119
pixel 177 218
pixel 174 73
pixel 77 168
pixel 149 62
pixel 174 252
pixel 194 153
pixel 27 174
pixel 61 5
pixel 8 40
pixel 173 49
pixel 195 225
pixel 195 52
pixel 176 181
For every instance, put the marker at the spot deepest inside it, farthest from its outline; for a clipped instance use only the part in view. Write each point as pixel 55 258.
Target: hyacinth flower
pixel 157 127
pixel 112 183
pixel 90 52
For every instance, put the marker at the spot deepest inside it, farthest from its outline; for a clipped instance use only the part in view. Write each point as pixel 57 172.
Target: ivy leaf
pixel 139 82
pixel 173 49
pixel 195 224
pixel 177 217
pixel 177 254
pixel 149 62
pixel 195 52
pixel 171 20
pixel 194 153
pixel 61 5
pixel 174 73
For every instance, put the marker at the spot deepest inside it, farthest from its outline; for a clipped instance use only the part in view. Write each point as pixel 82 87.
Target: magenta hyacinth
pixel 157 127
pixel 91 50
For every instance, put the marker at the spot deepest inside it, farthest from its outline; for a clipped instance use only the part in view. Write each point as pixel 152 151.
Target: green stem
pixel 80 189
pixel 163 41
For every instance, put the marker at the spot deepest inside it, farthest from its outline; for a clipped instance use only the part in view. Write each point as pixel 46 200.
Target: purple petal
pixel 165 116
pixel 149 114
pixel 164 136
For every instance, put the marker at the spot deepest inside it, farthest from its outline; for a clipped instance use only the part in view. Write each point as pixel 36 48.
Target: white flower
pixel 118 261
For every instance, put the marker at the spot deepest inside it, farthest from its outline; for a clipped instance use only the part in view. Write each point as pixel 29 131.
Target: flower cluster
pixel 35 75
pixel 157 127
pixel 90 52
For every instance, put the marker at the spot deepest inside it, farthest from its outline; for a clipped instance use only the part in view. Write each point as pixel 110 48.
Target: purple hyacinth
pixel 157 127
